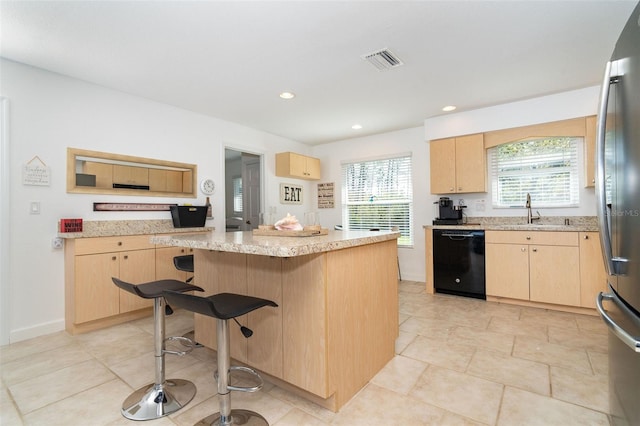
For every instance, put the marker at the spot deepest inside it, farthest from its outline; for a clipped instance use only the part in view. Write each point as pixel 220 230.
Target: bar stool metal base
pixel 155 401
pixel 238 417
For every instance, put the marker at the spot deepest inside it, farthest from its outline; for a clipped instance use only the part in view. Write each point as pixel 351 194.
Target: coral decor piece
pixel 288 223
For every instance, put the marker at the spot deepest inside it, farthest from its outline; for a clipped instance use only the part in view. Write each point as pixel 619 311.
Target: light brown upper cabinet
pixel 92 172
pixel 458 165
pixel 290 164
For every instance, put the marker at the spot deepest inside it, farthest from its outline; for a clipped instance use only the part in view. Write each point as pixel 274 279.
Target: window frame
pixel 531 170
pixel 385 206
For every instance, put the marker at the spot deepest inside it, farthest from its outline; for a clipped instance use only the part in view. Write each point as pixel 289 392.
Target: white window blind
pixel 237 194
pixel 545 168
pixel 378 194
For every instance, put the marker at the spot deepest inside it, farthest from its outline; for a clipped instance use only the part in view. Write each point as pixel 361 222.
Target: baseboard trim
pixel 36 331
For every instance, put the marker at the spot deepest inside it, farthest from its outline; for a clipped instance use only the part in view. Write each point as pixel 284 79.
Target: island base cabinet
pixel 220 272
pixel 304 323
pixel 362 313
pixel 336 322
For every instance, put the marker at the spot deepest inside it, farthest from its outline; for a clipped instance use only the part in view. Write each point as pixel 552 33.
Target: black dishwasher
pixel 458 262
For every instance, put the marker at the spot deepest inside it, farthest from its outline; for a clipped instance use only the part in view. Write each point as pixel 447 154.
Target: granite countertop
pixel 551 223
pixel 114 228
pixel 247 243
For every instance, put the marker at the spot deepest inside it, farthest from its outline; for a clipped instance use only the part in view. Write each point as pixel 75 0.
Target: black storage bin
pixel 188 216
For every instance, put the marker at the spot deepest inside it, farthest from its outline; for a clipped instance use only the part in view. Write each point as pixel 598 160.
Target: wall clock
pixel 207 186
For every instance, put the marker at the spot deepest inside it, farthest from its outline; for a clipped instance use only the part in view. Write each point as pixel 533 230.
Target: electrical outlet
pixel 57 243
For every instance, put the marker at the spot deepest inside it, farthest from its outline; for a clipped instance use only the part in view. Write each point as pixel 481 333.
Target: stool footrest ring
pixel 184 341
pixel 251 371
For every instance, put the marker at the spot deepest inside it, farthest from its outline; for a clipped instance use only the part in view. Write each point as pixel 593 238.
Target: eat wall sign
pixel 290 194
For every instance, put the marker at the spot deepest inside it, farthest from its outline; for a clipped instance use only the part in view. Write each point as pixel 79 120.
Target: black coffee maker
pixel 448 214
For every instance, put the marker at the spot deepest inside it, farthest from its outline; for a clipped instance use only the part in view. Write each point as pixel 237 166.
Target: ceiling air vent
pixel 383 59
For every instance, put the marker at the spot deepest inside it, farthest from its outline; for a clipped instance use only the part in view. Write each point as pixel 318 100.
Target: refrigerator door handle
pixel 601 191
pixel 620 332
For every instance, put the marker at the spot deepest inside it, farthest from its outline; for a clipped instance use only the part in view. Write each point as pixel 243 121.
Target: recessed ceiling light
pixel 449 108
pixel 356 127
pixel 287 95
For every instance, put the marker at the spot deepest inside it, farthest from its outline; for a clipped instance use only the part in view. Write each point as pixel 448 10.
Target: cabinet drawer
pixel 112 244
pixel 552 238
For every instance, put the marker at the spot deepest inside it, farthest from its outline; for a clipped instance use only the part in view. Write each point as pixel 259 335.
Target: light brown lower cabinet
pixel 92 300
pixel 556 268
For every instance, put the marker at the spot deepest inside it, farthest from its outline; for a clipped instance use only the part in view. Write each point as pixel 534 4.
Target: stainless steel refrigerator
pixel 618 199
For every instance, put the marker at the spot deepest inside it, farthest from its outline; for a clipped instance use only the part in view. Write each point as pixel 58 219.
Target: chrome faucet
pixel 530 217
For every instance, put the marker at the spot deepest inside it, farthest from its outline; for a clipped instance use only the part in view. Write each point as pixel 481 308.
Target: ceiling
pixel 231 59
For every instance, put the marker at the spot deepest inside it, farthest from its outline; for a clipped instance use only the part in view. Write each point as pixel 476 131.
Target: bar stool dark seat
pixel 162 397
pixel 184 263
pixel 223 307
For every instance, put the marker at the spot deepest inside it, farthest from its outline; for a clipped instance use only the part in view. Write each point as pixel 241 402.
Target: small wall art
pixel 36 172
pixel 326 195
pixel 290 193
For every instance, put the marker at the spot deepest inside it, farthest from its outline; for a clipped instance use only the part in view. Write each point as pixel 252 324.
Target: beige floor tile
pixel 302 404
pixel 437 329
pixel 518 328
pixel 528 409
pixel 548 317
pixel 201 375
pixel 114 352
pixel 9 414
pixel 436 352
pixel 483 339
pixel 552 354
pixel 194 412
pixel 468 396
pixel 9 353
pixel 500 310
pixel 98 406
pixel 400 374
pixel 508 370
pixel 140 370
pixel 40 363
pixel 296 417
pixel 378 406
pixel 452 419
pixel 404 340
pixel 579 339
pixel 43 390
pixel 587 390
pixel 593 324
pixel 599 362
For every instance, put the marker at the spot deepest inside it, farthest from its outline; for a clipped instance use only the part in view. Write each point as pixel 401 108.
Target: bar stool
pixel 162 397
pixel 223 307
pixel 184 263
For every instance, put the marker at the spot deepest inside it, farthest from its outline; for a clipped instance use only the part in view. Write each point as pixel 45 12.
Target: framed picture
pixel 290 193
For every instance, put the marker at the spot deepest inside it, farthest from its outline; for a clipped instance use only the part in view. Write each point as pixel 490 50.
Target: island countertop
pixel 247 243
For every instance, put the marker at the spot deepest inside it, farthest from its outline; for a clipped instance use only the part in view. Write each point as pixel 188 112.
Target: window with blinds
pixel 237 194
pixel 545 168
pixel 378 194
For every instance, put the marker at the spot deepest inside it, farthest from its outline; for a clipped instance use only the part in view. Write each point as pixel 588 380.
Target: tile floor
pixel 459 362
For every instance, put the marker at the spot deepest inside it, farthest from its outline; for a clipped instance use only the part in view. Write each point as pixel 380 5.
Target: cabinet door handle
pixel 528 238
pixel 119 243
pixel 534 250
pixel 451 189
pixel 113 258
pixel 523 249
pixel 126 257
pixel 586 237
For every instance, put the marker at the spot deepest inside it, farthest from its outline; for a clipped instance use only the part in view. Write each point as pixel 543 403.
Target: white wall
pixel 49 113
pixel 410 140
pixel 577 103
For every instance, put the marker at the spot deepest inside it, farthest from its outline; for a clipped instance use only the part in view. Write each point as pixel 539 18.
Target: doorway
pixel 243 190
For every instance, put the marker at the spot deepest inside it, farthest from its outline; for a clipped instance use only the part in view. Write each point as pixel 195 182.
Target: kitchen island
pixel 337 317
